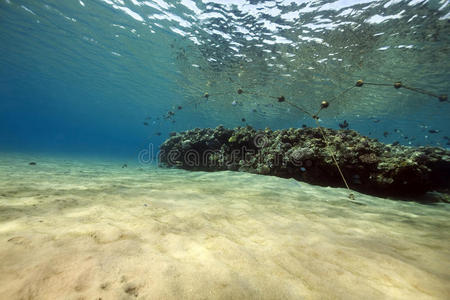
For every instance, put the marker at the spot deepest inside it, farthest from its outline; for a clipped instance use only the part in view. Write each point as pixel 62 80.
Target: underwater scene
pixel 224 149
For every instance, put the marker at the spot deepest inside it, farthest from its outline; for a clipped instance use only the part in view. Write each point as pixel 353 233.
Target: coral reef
pixel 368 165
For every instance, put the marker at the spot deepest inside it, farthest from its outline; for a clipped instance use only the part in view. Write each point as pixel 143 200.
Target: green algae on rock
pixel 369 165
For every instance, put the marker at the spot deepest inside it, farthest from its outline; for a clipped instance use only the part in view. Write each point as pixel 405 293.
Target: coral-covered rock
pixel 368 165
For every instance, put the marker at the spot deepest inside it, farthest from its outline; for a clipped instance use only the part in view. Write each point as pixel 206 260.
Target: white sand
pixel 85 230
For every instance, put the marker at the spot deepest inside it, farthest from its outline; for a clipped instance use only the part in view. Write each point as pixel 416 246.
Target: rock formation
pixel 368 165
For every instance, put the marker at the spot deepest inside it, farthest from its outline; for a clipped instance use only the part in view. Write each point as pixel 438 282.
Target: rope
pixel 325 105
pixel 398 84
pixel 335 97
pixel 350 196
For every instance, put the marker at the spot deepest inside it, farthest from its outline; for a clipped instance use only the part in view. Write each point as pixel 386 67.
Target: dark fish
pixel 145 123
pixel 158 133
pixel 32 163
pixel 148 118
pixel 243 119
pixel 343 124
pixel 179 107
pixel 395 143
pixel 405 137
pixel 169 115
pixel 254 110
pixel 446 138
pixel 385 133
pixel 376 121
pixel 124 166
pixel 433 131
pixel 304 126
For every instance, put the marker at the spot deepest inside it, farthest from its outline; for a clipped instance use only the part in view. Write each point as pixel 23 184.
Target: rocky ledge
pixel 368 165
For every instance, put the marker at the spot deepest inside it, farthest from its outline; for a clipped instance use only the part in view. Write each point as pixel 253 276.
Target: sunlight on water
pixel 96 230
pixel 115 78
pixel 307 51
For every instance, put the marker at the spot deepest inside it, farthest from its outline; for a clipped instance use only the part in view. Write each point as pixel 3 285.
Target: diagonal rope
pixel 350 196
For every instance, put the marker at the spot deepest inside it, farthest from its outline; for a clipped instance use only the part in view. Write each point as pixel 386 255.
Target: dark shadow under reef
pixel 368 165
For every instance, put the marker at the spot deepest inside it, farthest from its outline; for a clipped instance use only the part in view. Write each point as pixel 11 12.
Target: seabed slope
pixel 91 230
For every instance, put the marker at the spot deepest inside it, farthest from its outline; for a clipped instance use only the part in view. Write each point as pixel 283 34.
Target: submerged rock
pixel 368 165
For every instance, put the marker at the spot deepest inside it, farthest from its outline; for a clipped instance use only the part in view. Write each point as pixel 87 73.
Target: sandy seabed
pixel 92 230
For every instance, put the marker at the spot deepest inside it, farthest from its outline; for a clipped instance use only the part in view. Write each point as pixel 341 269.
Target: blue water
pixel 80 77
pixel 89 89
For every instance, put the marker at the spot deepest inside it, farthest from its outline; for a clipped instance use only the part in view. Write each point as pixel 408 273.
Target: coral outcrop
pixel 368 165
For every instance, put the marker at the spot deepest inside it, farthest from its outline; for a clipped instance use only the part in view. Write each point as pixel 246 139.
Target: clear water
pixel 79 78
pixel 82 76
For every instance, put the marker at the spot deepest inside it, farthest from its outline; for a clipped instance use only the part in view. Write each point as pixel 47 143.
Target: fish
pixel 344 124
pixel 169 115
pixel 433 131
pixel 385 133
pixel 243 119
pixel 145 123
